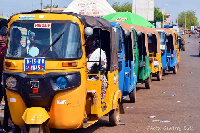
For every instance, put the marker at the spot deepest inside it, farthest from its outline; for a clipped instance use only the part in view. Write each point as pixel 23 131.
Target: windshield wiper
pixel 58 38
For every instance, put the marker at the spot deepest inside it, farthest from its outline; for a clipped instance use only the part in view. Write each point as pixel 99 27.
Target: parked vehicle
pixel 51 88
pixel 154 52
pixel 128 79
pixel 168 50
pixel 141 53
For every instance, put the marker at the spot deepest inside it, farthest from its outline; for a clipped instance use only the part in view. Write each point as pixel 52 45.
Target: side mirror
pixel 139 33
pixel 149 34
pixel 3 31
pixel 127 32
pixel 88 31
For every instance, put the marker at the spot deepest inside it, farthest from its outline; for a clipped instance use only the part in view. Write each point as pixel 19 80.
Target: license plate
pixel 34 64
pixel 34 84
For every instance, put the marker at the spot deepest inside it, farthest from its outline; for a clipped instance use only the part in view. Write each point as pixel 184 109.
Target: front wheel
pixel 175 70
pixel 114 116
pixel 159 75
pixel 132 96
pixel 38 129
pixel 183 47
pixel 148 83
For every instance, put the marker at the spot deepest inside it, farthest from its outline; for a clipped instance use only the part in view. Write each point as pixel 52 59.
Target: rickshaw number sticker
pixel 26 17
pixel 34 64
pixel 13 100
pixel 42 25
pixel 61 101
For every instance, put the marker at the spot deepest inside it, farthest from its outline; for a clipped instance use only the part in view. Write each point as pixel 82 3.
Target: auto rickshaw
pixel 154 52
pixel 177 47
pixel 141 54
pixel 46 83
pixel 168 50
pixel 128 79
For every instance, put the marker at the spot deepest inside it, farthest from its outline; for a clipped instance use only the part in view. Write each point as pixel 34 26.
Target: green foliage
pixel 158 16
pixel 189 17
pixel 125 7
pixel 49 6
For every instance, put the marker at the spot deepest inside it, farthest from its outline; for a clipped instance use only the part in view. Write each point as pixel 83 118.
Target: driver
pixel 32 50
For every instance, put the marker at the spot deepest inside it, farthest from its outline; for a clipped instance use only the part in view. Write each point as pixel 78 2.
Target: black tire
pixel 148 83
pixel 159 75
pixel 132 96
pixel 183 47
pixel 175 70
pixel 35 129
pixel 114 116
pixel 38 129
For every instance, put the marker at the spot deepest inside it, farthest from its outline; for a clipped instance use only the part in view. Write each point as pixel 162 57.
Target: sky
pixel 9 7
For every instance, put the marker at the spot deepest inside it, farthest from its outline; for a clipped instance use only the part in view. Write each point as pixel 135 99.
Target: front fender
pixel 35 115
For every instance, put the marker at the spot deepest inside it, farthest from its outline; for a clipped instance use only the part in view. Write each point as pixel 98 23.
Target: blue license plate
pixel 34 64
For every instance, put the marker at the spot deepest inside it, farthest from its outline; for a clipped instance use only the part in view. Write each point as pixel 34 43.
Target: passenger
pixel 93 55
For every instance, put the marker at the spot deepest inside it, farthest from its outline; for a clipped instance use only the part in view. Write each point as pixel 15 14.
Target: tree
pixel 158 16
pixel 125 7
pixel 189 18
pixel 49 6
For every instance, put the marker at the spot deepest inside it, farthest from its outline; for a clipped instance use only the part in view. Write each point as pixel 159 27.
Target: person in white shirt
pixel 94 54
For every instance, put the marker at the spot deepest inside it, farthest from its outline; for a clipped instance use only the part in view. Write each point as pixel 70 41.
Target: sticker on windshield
pixel 34 64
pixel 26 17
pixel 42 25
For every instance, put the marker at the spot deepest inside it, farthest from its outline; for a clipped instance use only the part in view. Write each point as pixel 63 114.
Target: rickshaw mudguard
pixel 16 107
pixel 116 97
pixel 35 115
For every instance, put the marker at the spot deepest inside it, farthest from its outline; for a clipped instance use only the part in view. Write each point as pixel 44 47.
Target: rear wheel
pixel 114 116
pixel 148 83
pixel 159 75
pixel 132 96
pixel 175 70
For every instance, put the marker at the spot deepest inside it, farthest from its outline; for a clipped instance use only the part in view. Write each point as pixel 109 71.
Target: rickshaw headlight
pixel 61 82
pixel 11 82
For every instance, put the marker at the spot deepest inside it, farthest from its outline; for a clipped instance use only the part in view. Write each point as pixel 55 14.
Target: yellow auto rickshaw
pixel 46 79
pixel 154 52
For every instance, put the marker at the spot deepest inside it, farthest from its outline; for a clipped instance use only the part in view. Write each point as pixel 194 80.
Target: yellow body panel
pixel 16 107
pixel 158 58
pixel 68 108
pixel 35 115
pixel 113 94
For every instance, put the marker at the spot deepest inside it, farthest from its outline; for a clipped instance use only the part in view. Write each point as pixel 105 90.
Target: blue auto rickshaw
pixel 127 77
pixel 168 50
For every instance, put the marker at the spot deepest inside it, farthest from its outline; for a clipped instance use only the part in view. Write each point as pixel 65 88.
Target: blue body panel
pixel 127 77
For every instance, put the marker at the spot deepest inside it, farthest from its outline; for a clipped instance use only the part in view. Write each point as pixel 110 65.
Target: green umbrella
pixel 129 18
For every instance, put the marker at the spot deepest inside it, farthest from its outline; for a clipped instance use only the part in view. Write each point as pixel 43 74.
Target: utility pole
pixel 41 4
pixel 164 13
pixel 185 21
pixel 51 6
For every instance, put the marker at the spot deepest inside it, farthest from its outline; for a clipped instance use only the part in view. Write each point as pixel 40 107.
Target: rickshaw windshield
pixel 34 39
